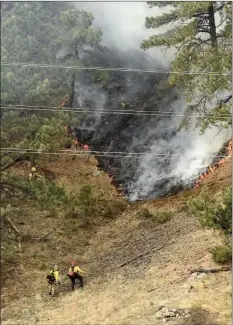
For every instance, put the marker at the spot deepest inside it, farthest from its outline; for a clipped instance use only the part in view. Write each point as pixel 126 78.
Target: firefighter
pixel 53 279
pixel 67 128
pixel 33 174
pixel 76 143
pixel 73 274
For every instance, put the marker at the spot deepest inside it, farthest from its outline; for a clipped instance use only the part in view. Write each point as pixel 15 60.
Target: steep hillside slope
pixel 66 236
pixel 133 264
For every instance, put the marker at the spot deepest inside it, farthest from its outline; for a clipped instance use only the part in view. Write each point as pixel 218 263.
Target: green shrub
pixel 212 213
pixel 159 217
pixel 222 254
pixel 215 214
pixel 87 202
pixel 84 205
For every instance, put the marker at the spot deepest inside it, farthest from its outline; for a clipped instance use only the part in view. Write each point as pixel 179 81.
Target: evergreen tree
pixel 201 33
pixel 42 33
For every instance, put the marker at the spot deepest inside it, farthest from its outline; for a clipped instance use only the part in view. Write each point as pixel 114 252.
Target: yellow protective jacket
pixel 34 175
pixel 56 275
pixel 76 269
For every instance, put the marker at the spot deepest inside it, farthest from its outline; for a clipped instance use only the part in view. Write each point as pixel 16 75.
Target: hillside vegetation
pixel 164 260
pixel 133 262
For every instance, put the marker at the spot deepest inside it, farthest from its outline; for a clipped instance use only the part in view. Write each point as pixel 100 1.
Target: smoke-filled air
pixel 182 154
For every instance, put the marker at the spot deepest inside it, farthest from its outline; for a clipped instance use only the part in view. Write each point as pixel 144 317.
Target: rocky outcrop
pixel 166 313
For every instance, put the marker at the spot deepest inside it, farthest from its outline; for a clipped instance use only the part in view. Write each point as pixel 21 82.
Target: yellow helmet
pixel 33 169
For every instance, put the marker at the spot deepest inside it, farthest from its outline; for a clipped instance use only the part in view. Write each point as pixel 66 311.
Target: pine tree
pixel 42 33
pixel 201 33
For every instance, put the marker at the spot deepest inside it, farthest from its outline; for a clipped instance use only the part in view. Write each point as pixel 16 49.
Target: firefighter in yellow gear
pixel 73 274
pixel 53 279
pixel 33 174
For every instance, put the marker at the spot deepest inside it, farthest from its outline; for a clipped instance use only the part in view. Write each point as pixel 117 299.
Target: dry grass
pixel 199 316
pixel 130 294
pixel 66 233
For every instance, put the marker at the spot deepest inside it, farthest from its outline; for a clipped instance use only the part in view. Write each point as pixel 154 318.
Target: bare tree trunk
pixel 213 33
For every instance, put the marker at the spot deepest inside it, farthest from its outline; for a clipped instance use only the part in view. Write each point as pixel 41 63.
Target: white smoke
pixel 191 152
pixel 123 26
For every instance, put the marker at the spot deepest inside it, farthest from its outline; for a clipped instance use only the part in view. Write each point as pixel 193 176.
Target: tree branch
pixel 15 229
pixel 227 99
pixel 9 191
pixel 222 6
pixel 212 270
pixel 19 187
pixel 12 162
pixel 43 237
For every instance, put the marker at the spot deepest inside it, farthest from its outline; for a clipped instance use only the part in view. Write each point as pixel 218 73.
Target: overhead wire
pixel 113 154
pixel 54 66
pixel 61 109
pixel 97 151
pixel 106 111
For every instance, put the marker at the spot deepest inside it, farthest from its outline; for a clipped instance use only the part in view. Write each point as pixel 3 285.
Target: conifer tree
pixel 201 34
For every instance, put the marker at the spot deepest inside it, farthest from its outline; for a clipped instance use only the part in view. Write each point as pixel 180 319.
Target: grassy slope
pixel 128 294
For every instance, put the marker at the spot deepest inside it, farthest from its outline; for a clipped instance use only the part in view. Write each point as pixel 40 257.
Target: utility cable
pixel 36 65
pixel 61 109
pixel 110 112
pixel 102 154
pixel 105 152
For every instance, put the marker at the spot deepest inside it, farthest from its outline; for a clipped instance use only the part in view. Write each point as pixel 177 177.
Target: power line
pixel 36 65
pixel 116 154
pixel 105 111
pixel 61 109
pixel 105 152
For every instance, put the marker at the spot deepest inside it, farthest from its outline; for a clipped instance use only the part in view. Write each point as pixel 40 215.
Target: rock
pixel 38 297
pixel 167 312
pixel 159 315
pixel 202 275
pixel 194 275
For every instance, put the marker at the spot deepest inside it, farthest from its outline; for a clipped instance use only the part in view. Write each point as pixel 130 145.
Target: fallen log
pixel 44 237
pixel 12 225
pixel 212 270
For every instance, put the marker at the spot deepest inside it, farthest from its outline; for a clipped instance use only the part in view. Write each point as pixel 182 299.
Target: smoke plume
pixel 186 153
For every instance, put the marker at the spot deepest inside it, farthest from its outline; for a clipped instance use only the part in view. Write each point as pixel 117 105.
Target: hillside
pixel 116 153
pixel 134 265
